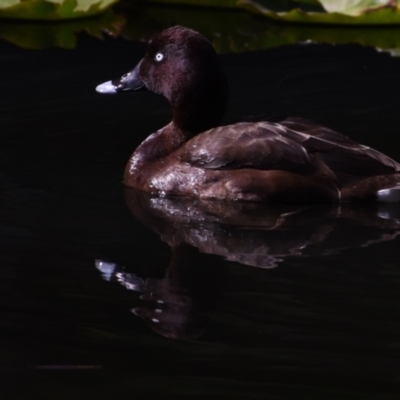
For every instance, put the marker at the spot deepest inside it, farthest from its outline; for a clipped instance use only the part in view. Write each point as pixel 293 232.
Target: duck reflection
pixel 263 234
pixel 178 304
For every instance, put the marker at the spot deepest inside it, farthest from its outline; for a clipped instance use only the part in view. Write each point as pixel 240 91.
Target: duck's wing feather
pixel 258 145
pixel 286 146
pixel 340 153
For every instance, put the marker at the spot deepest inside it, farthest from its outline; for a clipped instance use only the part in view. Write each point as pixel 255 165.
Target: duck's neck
pixel 199 115
pixel 201 105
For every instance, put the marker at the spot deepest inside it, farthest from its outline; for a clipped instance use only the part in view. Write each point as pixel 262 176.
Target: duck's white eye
pixel 159 57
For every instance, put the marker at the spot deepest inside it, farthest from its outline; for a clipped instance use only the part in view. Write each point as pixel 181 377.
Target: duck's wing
pixel 340 153
pixel 288 145
pixel 258 145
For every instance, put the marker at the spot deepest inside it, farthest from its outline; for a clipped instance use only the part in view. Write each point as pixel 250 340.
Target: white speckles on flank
pixel 133 164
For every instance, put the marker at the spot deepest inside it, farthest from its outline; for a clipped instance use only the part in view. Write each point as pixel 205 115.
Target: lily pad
pixel 52 9
pixel 202 3
pixel 235 31
pixel 229 30
pixel 39 35
pixel 338 12
pixel 356 7
pixel 363 13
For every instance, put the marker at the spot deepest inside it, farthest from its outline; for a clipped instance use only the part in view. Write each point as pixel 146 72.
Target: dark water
pixel 280 302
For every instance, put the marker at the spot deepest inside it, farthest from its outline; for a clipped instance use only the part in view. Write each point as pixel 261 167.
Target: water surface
pixel 320 319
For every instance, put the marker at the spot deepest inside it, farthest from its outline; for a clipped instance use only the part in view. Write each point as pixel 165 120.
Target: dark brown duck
pixel 295 160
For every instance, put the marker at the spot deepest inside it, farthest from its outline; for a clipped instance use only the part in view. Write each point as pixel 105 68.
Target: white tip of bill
pixel 106 87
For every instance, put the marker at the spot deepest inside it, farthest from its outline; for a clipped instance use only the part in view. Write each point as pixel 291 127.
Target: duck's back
pixel 289 145
pixel 258 145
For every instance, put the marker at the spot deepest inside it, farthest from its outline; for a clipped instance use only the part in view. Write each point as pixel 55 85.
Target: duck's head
pixel 182 65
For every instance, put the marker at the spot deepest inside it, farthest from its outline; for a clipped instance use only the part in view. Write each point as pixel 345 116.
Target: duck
pixel 294 160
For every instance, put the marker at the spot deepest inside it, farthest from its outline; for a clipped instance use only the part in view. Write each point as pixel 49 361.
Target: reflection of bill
pixel 178 304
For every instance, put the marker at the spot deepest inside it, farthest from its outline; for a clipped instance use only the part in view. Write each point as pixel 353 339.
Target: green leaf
pixel 233 31
pixel 52 9
pixel 378 16
pixel 311 11
pixel 84 5
pixel 354 7
pixel 202 3
pixel 37 35
pixel 8 3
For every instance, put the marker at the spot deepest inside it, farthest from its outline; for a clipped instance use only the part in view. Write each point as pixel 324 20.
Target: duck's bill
pixel 127 83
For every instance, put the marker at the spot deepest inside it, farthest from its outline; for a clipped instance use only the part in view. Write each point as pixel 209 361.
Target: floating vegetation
pixel 52 9
pixel 348 12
